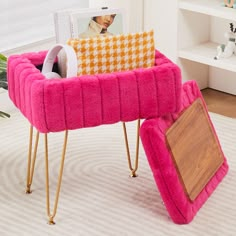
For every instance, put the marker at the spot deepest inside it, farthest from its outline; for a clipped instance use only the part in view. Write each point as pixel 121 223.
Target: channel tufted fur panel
pixel 53 105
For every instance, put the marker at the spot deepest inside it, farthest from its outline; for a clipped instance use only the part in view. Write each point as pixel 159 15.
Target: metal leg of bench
pixel 31 160
pixel 133 170
pixel 52 215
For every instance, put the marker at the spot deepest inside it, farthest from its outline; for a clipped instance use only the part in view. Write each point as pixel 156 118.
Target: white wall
pixel 161 16
pixel 23 22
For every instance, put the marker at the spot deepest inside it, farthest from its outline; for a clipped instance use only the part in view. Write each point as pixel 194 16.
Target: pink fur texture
pixel 152 132
pixel 64 104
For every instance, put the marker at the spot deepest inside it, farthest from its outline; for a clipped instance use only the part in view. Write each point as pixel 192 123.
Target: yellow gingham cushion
pixel 114 53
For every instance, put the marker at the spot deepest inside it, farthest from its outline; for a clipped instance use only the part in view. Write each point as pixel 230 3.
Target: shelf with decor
pixel 205 53
pixel 201 28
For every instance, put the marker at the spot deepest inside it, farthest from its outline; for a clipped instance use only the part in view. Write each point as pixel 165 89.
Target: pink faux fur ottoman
pixel 86 101
pixel 53 105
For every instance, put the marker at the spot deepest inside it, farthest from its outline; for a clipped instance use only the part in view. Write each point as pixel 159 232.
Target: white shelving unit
pixel 201 27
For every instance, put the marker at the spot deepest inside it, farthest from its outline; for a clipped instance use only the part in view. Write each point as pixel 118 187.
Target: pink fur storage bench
pixel 53 105
pixel 86 101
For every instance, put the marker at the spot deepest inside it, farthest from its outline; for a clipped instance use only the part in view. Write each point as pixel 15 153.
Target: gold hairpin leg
pixel 133 170
pixel 52 215
pixel 31 160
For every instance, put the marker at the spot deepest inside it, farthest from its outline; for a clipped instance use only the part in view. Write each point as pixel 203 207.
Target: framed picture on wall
pixel 89 22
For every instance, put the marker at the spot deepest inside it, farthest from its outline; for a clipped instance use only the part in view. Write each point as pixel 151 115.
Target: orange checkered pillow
pixel 114 53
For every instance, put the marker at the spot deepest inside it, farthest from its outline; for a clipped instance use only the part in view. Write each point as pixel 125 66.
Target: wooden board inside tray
pixel 196 153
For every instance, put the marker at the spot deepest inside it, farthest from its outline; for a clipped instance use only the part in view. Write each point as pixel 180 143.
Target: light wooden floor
pixel 219 102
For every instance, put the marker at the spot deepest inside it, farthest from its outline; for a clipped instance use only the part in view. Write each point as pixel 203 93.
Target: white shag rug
pixel 97 196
